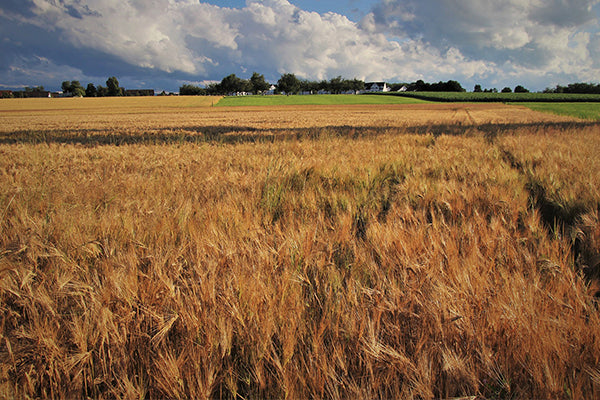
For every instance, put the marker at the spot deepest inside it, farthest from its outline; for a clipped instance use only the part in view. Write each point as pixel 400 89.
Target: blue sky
pixel 163 44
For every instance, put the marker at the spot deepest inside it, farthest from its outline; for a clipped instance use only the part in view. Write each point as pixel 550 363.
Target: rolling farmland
pixel 165 248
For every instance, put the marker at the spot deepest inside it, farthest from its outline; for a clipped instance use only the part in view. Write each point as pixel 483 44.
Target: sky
pixel 163 44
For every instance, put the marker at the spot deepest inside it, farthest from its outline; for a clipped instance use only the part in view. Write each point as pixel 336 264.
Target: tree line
pixel 75 89
pixel 579 88
pixel 290 84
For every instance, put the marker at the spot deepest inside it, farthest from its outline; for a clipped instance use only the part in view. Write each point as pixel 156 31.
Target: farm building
pixel 376 87
pixel 271 90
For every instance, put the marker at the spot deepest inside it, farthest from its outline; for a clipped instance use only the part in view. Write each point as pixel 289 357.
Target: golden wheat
pixel 374 263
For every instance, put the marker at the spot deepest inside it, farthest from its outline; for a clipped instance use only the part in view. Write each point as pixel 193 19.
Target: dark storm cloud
pixel 18 7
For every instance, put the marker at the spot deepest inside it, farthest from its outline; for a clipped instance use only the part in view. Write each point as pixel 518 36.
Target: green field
pixel 499 97
pixel 579 110
pixel 323 99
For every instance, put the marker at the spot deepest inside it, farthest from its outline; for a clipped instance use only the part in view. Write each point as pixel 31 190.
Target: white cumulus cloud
pixel 401 40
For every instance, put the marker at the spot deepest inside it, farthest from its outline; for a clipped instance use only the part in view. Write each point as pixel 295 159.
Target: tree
pixel 336 85
pixel 233 84
pixel 288 83
pixel 74 88
pixel 477 89
pixel 521 89
pixel 258 83
pixel 101 91
pixel 191 90
pixel 66 86
pixel 507 90
pixel 91 91
pixel 77 89
pixel 420 86
pixel 113 87
pixel 357 84
pixel 451 86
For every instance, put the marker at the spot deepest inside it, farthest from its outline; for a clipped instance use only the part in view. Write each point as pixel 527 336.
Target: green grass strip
pixel 499 97
pixel 590 111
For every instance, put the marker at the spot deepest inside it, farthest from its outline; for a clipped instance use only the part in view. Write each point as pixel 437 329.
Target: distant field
pixel 578 110
pixel 499 97
pixel 323 99
pixel 113 105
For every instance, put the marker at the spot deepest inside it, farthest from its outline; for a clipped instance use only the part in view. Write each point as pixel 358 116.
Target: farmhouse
pixel 376 87
pixel 271 90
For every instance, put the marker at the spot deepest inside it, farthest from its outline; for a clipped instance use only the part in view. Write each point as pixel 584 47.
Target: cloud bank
pixel 167 42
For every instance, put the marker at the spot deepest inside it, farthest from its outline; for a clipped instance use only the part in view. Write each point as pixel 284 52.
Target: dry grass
pixel 379 265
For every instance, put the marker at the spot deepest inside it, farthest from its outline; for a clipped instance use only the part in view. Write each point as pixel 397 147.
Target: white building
pixel 376 87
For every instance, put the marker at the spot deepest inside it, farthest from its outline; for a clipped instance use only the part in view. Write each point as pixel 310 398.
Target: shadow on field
pixel 248 134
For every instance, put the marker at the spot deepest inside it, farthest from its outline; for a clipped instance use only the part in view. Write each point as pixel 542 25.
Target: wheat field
pixel 169 249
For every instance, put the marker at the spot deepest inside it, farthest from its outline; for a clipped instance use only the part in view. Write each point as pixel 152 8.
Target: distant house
pixel 376 87
pixel 139 92
pixel 5 94
pixel 271 90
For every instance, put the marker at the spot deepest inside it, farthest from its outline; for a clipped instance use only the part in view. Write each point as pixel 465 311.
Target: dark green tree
pixel 66 86
pixel 477 89
pixel 506 90
pixel 101 91
pixel 91 90
pixel 113 87
pixel 288 83
pixel 191 90
pixel 521 89
pixel 357 84
pixel 77 89
pixel 336 85
pixel 74 88
pixel 258 83
pixel 233 84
